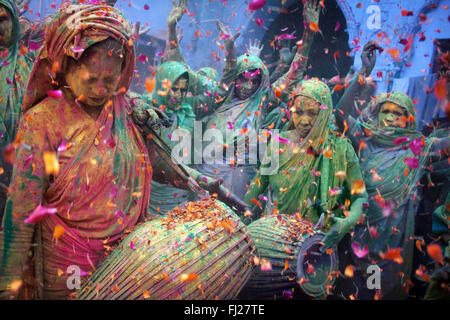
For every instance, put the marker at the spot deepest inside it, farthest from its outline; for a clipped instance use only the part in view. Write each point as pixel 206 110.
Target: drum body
pixel 290 262
pixel 200 251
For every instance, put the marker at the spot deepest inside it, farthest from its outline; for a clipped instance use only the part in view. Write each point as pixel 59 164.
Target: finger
pixel 144 31
pixel 219 26
pixel 236 35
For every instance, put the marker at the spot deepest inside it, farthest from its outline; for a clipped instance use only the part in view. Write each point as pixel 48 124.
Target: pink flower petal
pixel 39 213
pixel 110 142
pixel 64 146
pixel 259 22
pixel 359 252
pixel 285 36
pixel 413 163
pixel 57 94
pixel 373 232
pixel 256 4
pixel 400 140
pixel 416 146
pixel 34 46
pixel 77 49
pixel 279 139
pixel 338 25
pixel 119 214
pixel 142 58
pixel 230 125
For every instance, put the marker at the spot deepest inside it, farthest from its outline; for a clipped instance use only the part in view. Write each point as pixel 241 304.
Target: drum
pixel 290 262
pixel 199 251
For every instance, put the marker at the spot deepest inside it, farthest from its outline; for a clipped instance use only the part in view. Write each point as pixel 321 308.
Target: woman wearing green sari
pixel 250 99
pixel 15 69
pixel 318 171
pixel 171 101
pixel 393 158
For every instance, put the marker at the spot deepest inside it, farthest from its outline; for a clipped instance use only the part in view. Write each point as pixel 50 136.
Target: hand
pixel 137 31
pixel 177 12
pixel 287 55
pixel 311 12
pixel 149 117
pixel 339 229
pixel 225 33
pixel 255 48
pixel 22 6
pixel 224 195
pixel 179 34
pixel 369 58
pixel 442 275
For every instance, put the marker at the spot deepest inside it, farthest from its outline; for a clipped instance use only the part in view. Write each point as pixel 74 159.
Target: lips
pixel 97 100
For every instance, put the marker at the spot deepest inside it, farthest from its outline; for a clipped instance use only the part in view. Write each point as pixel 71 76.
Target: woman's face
pixel 177 93
pixel 5 27
pixel 392 115
pixel 304 114
pixel 248 83
pixel 95 77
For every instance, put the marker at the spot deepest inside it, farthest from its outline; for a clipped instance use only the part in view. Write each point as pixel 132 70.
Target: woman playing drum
pixel 82 172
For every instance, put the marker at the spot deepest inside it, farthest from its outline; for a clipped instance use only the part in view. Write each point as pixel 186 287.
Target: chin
pixel 95 103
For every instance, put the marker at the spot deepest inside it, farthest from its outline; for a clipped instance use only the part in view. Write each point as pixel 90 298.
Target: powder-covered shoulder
pixel 44 117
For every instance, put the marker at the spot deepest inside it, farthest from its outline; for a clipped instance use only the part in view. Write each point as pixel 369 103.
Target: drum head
pixel 315 267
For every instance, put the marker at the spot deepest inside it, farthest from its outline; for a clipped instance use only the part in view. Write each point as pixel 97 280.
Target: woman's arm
pixel 286 84
pixel 257 187
pixel 354 186
pixel 440 149
pixel 346 108
pixel 230 52
pixel 172 51
pixel 25 195
pixel 287 54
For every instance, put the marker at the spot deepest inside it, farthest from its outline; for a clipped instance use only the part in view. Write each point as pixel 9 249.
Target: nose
pixel 391 118
pixel 304 120
pixel 99 90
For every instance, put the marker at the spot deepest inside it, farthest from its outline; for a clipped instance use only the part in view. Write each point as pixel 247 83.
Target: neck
pixel 92 111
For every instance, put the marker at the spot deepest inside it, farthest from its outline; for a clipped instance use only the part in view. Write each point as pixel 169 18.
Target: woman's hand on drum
pixel 225 195
pixel 339 229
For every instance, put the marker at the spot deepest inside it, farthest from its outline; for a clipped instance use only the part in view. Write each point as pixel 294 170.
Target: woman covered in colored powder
pixel 393 157
pixel 15 68
pixel 318 170
pixel 171 86
pixel 82 172
pixel 250 99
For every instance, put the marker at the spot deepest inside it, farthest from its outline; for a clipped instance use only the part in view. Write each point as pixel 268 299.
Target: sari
pixel 232 118
pixel 306 183
pixel 15 68
pixel 237 119
pixel 102 186
pixel 391 184
pixel 166 197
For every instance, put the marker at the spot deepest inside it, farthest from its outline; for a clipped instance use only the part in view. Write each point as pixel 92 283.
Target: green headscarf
pixel 241 113
pixel 210 73
pixel 13 77
pixel 171 71
pixel 306 187
pixel 395 184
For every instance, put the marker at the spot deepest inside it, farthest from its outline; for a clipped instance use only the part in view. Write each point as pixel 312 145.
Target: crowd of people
pixel 79 166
